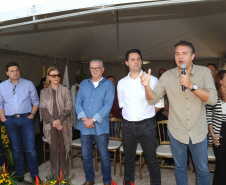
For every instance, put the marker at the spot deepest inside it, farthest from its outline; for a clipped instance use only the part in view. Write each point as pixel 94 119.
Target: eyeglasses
pixel 14 89
pixel 57 75
pixel 95 68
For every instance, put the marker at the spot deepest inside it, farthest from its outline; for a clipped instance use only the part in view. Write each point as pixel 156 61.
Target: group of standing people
pixel 19 103
pixel 140 96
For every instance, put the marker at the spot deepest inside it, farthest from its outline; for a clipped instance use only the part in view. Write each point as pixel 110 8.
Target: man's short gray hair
pixel 97 60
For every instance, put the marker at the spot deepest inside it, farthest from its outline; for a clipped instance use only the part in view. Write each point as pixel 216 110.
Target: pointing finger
pixel 149 72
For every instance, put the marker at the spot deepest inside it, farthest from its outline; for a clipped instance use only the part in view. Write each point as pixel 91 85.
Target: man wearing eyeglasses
pixel 93 105
pixel 18 104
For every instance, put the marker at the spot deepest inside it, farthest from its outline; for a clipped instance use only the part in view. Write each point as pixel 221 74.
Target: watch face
pixel 195 87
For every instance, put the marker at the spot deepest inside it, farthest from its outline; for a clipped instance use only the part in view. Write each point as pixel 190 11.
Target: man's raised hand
pixel 145 78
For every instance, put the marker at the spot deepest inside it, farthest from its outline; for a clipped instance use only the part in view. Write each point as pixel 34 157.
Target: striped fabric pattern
pixel 215 117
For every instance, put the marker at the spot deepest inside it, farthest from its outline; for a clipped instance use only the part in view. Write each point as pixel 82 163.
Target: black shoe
pixel 20 179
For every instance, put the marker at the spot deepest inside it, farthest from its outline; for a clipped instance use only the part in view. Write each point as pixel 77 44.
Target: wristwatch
pixel 32 114
pixel 94 120
pixel 194 87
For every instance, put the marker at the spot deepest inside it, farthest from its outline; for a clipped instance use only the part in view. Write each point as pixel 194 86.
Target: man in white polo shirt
pixel 138 119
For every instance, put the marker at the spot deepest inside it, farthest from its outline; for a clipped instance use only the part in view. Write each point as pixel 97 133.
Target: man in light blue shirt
pixel 18 104
pixel 93 105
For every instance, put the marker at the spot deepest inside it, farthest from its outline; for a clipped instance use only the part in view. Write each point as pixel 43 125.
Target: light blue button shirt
pixel 95 103
pixel 21 101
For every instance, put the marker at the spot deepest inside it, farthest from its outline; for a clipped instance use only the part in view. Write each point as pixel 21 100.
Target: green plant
pixel 6 145
pixel 62 180
pixel 7 178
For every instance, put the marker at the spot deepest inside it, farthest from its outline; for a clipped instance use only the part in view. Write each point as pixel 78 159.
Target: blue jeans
pixel 21 134
pixel 199 156
pixel 101 142
pixel 145 133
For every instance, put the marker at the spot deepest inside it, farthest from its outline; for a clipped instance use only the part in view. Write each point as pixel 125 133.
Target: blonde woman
pixel 56 113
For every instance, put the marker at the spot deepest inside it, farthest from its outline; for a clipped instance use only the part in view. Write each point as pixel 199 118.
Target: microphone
pixel 183 72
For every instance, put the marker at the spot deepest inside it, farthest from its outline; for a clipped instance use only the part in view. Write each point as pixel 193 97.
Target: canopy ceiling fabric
pixel 109 34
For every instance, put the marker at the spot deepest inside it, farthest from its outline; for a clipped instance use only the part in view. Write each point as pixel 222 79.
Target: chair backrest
pixel 163 132
pixel 115 129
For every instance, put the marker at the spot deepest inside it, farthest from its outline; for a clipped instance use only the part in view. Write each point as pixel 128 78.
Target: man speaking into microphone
pixel 187 115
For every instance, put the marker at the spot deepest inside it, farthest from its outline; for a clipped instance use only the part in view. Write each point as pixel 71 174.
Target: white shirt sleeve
pixel 119 92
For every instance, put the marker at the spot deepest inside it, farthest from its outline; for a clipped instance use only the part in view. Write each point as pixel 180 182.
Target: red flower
pixel 37 182
pixel 77 88
pixel 61 176
pixel 113 182
pixel 3 169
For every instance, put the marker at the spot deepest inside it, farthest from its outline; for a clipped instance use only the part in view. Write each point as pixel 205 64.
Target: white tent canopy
pixel 25 8
pixel 83 30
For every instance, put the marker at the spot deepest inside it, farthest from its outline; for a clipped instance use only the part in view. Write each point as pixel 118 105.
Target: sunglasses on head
pixel 57 75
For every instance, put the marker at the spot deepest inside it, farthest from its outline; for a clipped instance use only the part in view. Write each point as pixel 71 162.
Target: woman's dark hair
pixel 219 77
pixel 41 83
pixel 40 86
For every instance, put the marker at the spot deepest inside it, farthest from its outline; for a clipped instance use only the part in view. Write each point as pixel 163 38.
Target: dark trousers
pixel 21 134
pixel 220 154
pixel 57 154
pixel 145 133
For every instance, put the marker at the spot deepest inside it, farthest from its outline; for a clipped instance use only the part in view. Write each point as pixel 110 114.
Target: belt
pixel 19 115
pixel 138 122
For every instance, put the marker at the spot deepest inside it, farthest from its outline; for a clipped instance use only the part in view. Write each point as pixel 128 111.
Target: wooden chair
pixel 114 140
pixel 76 144
pixel 139 152
pixel 163 150
pixel 45 142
